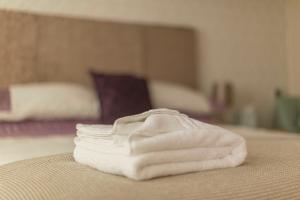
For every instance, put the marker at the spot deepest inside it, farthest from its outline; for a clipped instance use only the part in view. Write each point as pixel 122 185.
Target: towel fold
pixel 157 143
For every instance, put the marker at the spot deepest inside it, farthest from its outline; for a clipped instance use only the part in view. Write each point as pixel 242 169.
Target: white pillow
pixel 169 95
pixel 51 101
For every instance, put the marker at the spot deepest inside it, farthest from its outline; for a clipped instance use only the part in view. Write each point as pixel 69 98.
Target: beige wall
pixel 242 41
pixel 293 45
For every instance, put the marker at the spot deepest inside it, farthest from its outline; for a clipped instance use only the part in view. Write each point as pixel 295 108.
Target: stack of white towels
pixel 157 143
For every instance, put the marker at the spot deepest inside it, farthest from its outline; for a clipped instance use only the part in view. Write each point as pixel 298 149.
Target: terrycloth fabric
pixel 157 143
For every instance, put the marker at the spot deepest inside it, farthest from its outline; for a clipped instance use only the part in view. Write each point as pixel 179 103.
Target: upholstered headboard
pixel 48 48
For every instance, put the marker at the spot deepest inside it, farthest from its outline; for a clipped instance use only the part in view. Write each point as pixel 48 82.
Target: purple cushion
pixel 121 95
pixel 5 103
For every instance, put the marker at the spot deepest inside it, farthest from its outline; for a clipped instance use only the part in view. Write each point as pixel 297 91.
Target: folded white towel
pixel 157 143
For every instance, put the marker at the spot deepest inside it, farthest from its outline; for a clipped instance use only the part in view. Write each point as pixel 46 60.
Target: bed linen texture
pixel 271 171
pixel 14 149
pixel 38 128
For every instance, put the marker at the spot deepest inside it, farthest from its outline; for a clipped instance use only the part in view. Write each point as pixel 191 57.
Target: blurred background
pixel 247 50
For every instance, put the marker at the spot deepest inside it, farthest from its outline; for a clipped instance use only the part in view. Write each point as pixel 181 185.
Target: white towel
pixel 157 143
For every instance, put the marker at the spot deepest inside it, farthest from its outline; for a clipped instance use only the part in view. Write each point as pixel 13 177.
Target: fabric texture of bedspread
pixel 271 171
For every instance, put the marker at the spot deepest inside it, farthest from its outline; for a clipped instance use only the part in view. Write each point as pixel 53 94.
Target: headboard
pixel 50 48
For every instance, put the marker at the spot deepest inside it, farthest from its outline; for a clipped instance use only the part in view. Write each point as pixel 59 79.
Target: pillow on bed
pixel 175 96
pixel 121 95
pixel 50 101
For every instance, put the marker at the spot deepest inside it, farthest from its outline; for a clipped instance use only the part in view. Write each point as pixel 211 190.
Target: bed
pixel 271 171
pixel 53 48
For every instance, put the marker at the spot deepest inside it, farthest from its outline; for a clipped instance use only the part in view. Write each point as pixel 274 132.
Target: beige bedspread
pixel 272 171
